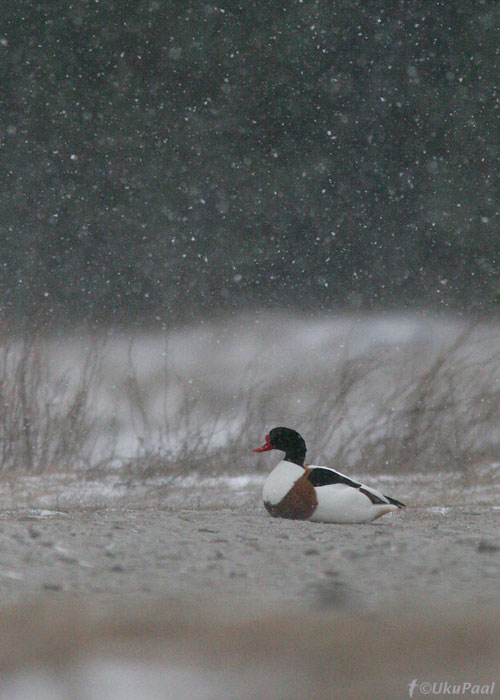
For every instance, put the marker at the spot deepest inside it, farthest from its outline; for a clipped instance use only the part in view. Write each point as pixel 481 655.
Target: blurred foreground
pixel 178 651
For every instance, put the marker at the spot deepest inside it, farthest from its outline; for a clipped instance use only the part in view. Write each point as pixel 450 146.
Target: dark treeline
pixel 164 159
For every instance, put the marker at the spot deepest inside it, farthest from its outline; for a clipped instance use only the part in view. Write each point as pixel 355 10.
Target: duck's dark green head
pixel 288 441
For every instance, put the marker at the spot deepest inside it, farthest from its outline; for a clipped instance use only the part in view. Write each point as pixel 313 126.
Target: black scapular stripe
pixel 376 500
pixel 319 476
pixel 324 477
pixel 395 502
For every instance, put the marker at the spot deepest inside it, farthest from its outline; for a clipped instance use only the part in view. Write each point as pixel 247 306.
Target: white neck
pixel 280 481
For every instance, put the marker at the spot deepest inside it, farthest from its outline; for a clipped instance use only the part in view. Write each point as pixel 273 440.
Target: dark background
pixel 169 160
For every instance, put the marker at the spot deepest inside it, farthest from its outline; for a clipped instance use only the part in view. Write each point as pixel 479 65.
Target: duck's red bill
pixel 266 446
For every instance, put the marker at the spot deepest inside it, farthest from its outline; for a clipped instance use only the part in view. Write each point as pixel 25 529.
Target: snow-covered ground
pixel 50 493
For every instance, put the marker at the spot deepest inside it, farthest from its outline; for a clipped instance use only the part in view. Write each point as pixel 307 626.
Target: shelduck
pixel 293 490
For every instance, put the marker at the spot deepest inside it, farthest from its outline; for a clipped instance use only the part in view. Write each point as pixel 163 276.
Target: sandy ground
pixel 432 552
pixel 187 603
pixel 225 602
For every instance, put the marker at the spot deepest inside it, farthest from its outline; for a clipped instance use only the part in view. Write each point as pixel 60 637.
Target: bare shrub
pixel 198 437
pixel 406 412
pixel 45 420
pixel 391 409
